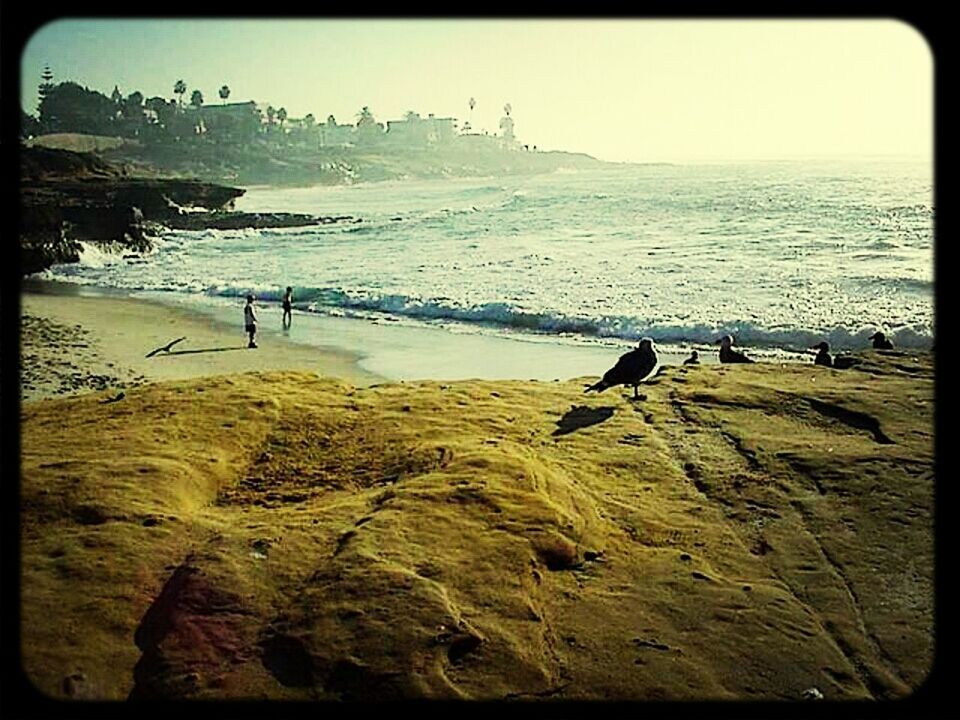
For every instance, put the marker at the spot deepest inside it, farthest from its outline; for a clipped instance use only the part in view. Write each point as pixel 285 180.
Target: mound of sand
pixel 739 533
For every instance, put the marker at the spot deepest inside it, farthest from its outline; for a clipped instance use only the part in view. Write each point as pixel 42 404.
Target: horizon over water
pixel 779 254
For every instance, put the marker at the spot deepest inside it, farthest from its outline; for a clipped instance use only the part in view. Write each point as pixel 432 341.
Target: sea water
pixel 781 255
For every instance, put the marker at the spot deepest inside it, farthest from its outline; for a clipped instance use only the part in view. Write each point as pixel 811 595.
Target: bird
pixel 880 341
pixel 631 368
pixel 694 358
pixel 823 357
pixel 844 362
pixel 729 355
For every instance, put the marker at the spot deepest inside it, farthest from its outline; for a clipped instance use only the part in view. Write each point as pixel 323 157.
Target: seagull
pixel 823 357
pixel 880 341
pixel 844 362
pixel 631 368
pixel 728 355
pixel 694 358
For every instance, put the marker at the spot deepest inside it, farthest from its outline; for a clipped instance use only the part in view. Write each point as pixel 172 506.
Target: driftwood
pixel 165 348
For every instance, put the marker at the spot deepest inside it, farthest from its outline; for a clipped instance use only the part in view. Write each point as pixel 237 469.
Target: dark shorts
pixel 286 306
pixel 252 328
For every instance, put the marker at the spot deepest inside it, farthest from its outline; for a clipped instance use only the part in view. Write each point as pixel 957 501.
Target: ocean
pixel 781 255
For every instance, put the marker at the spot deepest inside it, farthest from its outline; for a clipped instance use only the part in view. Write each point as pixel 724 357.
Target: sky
pixel 632 90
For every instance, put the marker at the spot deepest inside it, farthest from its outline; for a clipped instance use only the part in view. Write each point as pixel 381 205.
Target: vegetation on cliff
pixel 242 143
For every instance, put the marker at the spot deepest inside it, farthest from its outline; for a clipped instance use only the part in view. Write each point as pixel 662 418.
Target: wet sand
pixel 75 343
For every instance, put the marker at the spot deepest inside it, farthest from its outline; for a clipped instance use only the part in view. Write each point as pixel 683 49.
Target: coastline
pixel 116 332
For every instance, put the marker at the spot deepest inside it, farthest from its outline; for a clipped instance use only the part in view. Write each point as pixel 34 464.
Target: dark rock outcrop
pixel 67 198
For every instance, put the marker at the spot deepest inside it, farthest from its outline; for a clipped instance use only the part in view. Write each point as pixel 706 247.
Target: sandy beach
pixel 281 524
pixel 72 342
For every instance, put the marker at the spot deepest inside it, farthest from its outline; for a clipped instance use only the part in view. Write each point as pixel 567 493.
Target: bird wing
pixel 647 364
pixel 625 371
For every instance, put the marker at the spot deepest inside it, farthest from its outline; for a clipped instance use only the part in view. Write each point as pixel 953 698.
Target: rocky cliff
pixel 67 198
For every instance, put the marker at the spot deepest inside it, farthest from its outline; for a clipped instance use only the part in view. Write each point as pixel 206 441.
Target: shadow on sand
pixel 201 350
pixel 581 416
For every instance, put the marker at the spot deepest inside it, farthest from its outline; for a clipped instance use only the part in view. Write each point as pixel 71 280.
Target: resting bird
pixel 729 355
pixel 631 368
pixel 845 362
pixel 694 358
pixel 880 341
pixel 823 357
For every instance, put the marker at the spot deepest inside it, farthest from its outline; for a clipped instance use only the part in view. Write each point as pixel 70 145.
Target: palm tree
pixel 196 99
pixel 179 88
pixel 281 116
pixel 224 94
pixel 271 113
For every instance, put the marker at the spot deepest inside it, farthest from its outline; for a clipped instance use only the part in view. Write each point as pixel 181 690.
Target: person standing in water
pixel 287 307
pixel 250 321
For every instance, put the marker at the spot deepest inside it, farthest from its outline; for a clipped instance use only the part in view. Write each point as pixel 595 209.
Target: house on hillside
pixel 333 134
pixel 416 131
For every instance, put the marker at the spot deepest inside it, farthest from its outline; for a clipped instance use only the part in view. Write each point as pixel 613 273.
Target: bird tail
pixel 598 386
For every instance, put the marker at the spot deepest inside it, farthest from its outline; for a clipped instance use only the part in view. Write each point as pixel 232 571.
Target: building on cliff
pixel 416 131
pixel 236 122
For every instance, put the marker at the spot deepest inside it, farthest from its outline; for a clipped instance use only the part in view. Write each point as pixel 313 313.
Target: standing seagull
pixel 880 341
pixel 728 354
pixel 631 368
pixel 823 357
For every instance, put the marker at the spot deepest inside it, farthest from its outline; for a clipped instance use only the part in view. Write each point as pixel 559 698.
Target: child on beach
pixel 250 320
pixel 287 304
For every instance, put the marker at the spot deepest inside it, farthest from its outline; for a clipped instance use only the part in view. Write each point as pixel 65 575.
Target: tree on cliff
pixel 29 126
pixel 179 88
pixel 224 94
pixel 131 110
pixel 46 83
pixel 68 107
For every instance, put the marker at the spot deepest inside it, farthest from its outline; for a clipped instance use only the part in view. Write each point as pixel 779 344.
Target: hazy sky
pixel 630 89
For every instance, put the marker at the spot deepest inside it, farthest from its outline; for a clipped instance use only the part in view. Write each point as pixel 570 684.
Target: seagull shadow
pixel 581 416
pixel 201 350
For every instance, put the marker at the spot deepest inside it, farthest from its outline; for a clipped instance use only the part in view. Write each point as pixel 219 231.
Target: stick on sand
pixel 166 348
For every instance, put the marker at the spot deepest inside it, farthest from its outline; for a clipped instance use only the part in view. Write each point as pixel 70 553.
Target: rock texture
pixel 746 532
